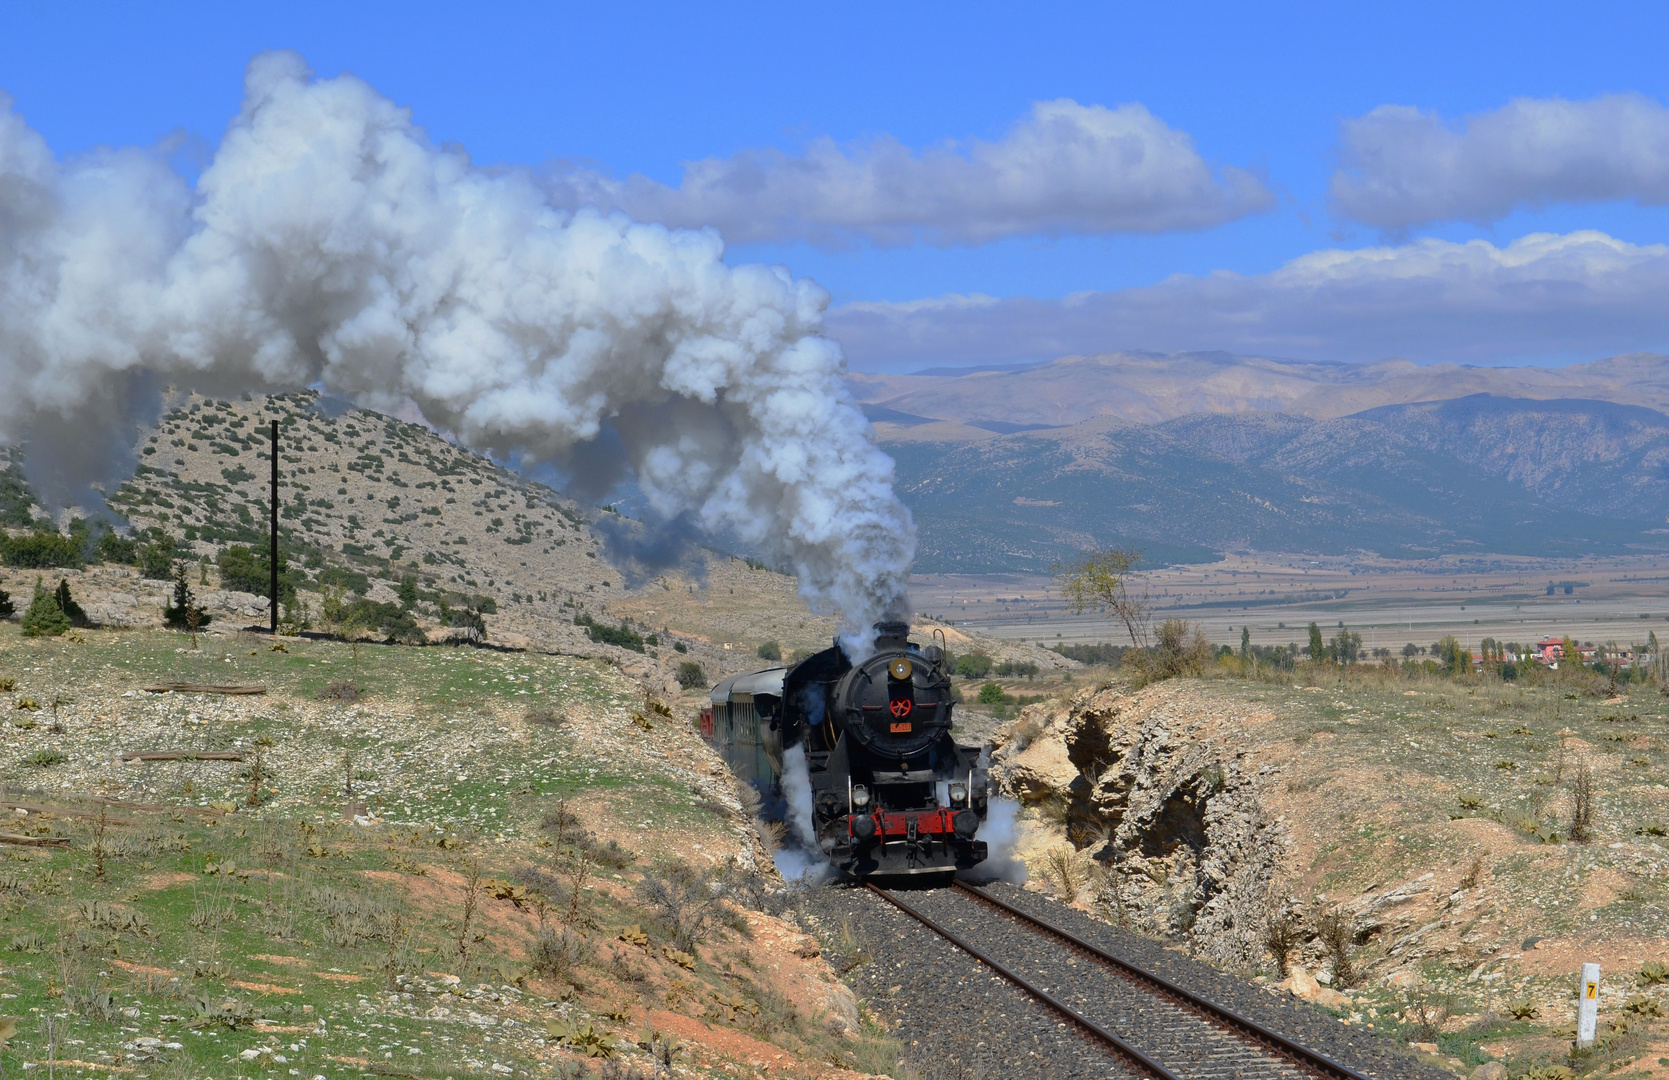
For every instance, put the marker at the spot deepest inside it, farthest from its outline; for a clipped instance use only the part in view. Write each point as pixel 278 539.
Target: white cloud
pixel 1584 293
pixel 1066 169
pixel 1404 167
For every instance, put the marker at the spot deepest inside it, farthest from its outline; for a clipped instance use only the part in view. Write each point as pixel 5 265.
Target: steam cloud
pixel 805 858
pixel 330 243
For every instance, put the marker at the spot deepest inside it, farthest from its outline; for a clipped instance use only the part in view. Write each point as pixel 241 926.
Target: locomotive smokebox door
pixel 901 696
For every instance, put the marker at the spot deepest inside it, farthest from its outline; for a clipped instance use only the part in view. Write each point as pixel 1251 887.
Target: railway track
pixel 1159 1028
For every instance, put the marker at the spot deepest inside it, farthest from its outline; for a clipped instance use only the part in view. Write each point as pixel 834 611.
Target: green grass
pixel 201 925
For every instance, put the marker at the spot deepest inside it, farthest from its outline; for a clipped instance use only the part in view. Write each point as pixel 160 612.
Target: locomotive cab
pixel 892 794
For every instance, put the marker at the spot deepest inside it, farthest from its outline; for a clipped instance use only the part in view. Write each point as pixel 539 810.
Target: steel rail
pixel 1029 988
pixel 1301 1054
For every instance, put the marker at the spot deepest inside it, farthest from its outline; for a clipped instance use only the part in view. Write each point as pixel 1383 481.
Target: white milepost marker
pixel 1587 1007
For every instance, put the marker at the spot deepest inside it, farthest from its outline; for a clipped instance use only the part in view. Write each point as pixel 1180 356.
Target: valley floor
pixel 1390 602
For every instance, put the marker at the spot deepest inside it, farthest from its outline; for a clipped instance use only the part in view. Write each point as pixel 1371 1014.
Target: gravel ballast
pixel 957 1019
pixel 1353 1046
pixel 960 1021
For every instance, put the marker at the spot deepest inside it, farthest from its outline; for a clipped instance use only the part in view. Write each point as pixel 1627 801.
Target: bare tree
pixel 1101 579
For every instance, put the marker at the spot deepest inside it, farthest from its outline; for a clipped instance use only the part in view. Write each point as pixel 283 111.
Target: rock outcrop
pixel 1159 789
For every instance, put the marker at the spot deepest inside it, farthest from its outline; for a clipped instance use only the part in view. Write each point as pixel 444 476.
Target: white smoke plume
pixel 329 242
pixel 1001 831
pixel 806 860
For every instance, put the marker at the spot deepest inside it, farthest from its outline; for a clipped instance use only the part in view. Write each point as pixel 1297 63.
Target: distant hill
pixel 1475 474
pixel 1151 388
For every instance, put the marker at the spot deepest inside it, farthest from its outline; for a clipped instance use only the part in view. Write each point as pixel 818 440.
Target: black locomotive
pixel 890 791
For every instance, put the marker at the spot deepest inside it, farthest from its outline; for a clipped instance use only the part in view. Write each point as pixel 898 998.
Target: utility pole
pixel 273 553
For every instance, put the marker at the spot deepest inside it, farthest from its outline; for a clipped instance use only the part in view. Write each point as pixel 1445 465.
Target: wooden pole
pixel 274 550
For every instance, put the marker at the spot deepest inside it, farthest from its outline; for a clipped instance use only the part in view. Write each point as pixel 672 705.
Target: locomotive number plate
pixel 903 728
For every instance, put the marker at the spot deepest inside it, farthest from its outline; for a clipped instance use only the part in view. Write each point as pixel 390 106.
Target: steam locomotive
pixel 887 790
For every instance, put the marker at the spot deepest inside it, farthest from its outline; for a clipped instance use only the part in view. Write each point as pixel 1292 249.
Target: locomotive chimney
pixel 892 636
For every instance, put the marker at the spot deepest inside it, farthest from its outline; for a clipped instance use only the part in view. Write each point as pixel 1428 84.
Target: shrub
pixel 115 548
pixel 770 650
pixel 687 901
pixel 973 666
pixel 690 675
pixel 41 549
pixel 343 578
pixel 44 617
pixel 1281 937
pixel 45 759
pixel 1110 655
pixel 68 606
pixel 157 556
pixel 341 690
pixel 1582 804
pixel 622 636
pixel 397 624
pixel 1338 940
pixel 7 608
pixel 243 569
pixel 991 694
pixel 183 613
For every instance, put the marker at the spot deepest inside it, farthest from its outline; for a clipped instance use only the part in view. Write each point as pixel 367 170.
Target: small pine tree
pixel 7 608
pixel 408 591
pixel 68 606
pixel 44 617
pixel 1245 643
pixel 183 613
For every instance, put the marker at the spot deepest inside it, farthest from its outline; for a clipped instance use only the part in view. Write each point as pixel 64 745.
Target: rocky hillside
pixel 1428 822
pixel 368 503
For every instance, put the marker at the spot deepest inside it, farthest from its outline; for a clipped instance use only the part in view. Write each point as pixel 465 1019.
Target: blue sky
pixel 596 94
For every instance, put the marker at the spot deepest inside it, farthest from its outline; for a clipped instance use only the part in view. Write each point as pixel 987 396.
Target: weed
pixel 342 690
pixel 688 901
pixel 1582 803
pixel 473 888
pixel 45 759
pixel 850 951
pixel 257 771
pixel 1653 972
pixel 1066 870
pixel 1474 873
pixel 1424 1016
pixel 1338 939
pixel 1281 937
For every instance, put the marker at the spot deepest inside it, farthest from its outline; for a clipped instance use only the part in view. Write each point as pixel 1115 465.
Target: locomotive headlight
pixel 860 796
pixel 959 794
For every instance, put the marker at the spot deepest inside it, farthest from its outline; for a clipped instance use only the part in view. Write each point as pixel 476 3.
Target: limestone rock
pixel 1154 787
pixel 1490 1070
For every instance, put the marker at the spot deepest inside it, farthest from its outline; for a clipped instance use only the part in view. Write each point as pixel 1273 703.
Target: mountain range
pixel 1204 453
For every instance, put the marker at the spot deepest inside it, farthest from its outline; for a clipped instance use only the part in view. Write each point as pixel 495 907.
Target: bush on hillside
pixel 44 617
pixel 115 548
pixel 39 550
pixel 183 613
pixel 622 636
pixel 66 603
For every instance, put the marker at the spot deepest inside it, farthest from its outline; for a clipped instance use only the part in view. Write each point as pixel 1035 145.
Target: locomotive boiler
pixel 885 789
